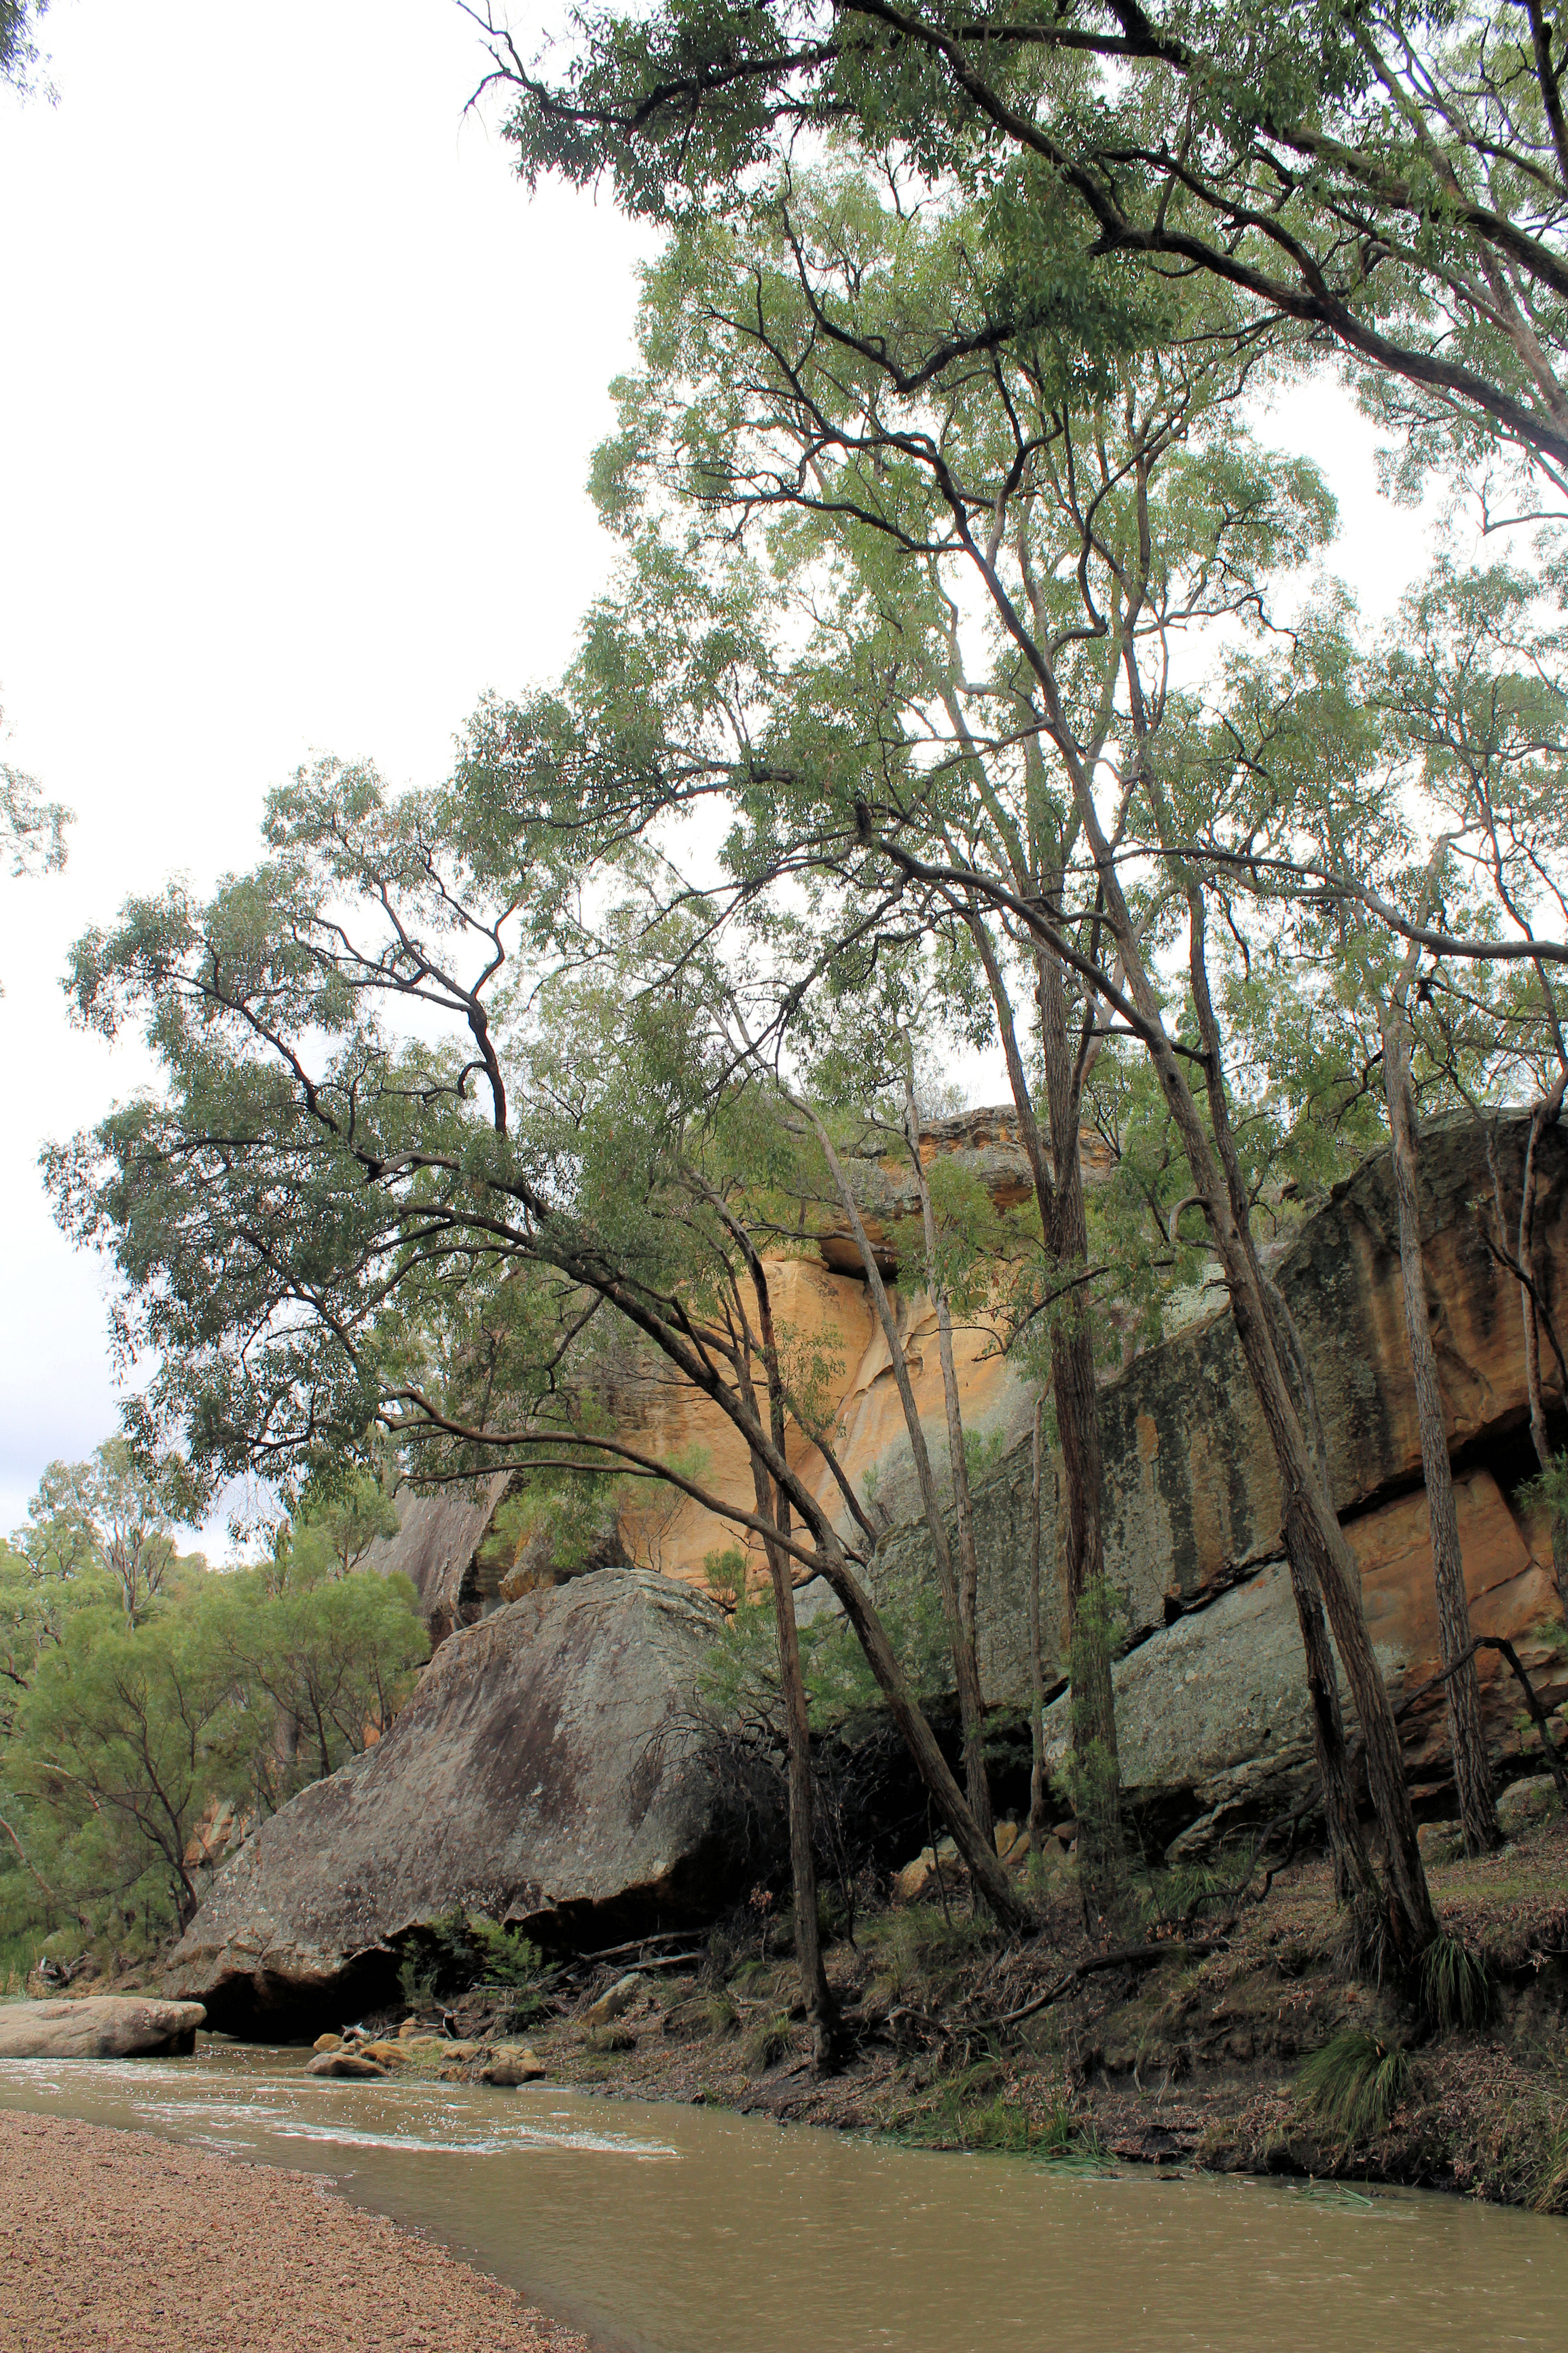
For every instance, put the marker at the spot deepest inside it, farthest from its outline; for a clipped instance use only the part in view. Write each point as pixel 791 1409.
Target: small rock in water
pixel 510 2066
pixel 345 2063
pixel 328 2043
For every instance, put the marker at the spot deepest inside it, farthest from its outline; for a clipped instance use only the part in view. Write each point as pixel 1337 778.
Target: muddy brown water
pixel 676 2229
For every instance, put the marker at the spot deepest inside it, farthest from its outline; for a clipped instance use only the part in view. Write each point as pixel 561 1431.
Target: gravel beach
pixel 121 2242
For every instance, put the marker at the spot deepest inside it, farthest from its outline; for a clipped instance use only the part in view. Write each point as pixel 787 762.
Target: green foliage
pixel 329 1662
pixel 451 1954
pixel 1355 2085
pixel 739 1675
pixel 139 1689
pixel 1549 2193
pixel 1548 1491
pixel 1456 1985
pixel 334 1528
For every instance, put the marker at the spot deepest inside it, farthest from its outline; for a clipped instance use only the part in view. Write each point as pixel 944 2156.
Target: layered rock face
pixel 1211 1711
pixel 825 1318
pixel 1213 1719
pixel 541 1775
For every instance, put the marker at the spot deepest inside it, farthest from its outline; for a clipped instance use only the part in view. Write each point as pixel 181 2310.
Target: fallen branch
pixel 637 1944
pixel 1124 1957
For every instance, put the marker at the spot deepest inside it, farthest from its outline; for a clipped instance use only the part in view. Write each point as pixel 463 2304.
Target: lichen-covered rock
pixel 1524 1803
pixel 541 1775
pixel 100 2026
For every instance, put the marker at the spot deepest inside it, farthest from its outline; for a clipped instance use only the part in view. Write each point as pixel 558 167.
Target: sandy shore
pixel 120 2242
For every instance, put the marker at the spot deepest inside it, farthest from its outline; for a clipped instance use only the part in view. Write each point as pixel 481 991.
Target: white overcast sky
pixel 298 388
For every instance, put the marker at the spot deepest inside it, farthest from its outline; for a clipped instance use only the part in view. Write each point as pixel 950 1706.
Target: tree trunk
pixel 1410 1922
pixel 966 1673
pixel 1037 1786
pixel 821 2010
pixel 1326 1557
pixel 975 1780
pixel 1544 1113
pixel 1355 1882
pixel 987 1877
pixel 1467 1731
pixel 1058 1191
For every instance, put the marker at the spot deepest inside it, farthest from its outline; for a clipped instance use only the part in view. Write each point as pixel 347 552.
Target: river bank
pixel 117 2242
pixel 1193 2053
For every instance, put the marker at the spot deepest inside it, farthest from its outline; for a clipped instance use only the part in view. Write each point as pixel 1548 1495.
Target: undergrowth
pixel 918 1956
pixel 1354 2084
pixel 1456 1986
pixel 978 2110
pixel 462 1950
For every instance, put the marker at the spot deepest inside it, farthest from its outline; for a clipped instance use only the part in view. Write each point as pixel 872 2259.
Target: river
pixel 680 2230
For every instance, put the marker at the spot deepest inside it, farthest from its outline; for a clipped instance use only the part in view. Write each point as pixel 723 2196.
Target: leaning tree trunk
pixel 1355 1882
pixel 1327 1561
pixel 1467 1730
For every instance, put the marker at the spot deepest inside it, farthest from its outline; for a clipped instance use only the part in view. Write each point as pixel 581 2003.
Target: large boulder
pixel 545 1774
pixel 100 2026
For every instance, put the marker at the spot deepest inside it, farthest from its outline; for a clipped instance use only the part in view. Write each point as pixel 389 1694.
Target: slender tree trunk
pixel 987 1876
pixel 965 1676
pixel 974 1774
pixel 1410 1922
pixel 1355 1882
pixel 1058 1191
pixel 816 1993
pixel 1467 1730
pixel 1101 1844
pixel 1037 1785
pixel 1544 1116
pixel 1326 1558
pixel 1320 1553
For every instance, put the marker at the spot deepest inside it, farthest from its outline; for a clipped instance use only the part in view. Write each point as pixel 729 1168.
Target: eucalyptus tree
pixel 1391 185
pixel 793 353
pixel 331 1230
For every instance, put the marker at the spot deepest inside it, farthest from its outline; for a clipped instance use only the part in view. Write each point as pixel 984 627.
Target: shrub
pixel 1354 2084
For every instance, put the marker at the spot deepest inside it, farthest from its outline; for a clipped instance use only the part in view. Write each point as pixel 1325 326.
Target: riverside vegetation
pixel 971 678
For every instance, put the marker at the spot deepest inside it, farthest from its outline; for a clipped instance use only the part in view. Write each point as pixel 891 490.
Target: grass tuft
pixel 1354 2084
pixel 1456 1985
pixel 766 2042
pixel 1549 2193
pixel 721 2014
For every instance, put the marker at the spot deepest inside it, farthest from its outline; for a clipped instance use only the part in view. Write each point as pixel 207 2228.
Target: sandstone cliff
pixel 1213 1720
